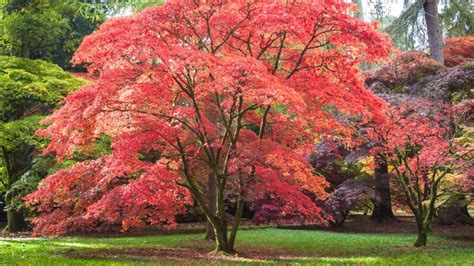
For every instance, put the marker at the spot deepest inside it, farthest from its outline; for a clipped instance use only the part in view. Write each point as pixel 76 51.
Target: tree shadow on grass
pixel 185 255
pixel 462 237
pixel 399 225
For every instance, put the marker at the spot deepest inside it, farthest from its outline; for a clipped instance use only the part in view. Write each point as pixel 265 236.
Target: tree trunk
pixel 421 239
pixel 210 235
pixel 454 211
pixel 16 163
pixel 218 219
pixel 25 47
pixel 237 217
pixel 423 228
pixel 211 185
pixel 382 207
pixel 15 220
pixel 223 243
pixel 435 38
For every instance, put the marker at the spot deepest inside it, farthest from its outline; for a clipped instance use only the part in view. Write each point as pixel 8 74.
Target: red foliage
pixel 405 69
pixel 463 114
pixel 419 145
pixel 237 89
pixel 418 139
pixel 459 50
pixel 415 122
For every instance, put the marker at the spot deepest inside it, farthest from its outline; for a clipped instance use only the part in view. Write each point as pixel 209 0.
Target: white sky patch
pixel 393 7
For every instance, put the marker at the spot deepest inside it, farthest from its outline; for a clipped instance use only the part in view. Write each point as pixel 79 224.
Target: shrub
pixel 459 50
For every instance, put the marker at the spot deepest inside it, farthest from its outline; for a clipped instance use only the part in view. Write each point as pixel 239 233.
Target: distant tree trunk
pixel 454 211
pixel 211 185
pixel 360 14
pixel 382 207
pixel 15 220
pixel 435 38
pixel 25 46
pixel 16 162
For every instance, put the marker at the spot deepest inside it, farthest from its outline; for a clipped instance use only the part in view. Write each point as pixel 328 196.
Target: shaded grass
pixel 277 246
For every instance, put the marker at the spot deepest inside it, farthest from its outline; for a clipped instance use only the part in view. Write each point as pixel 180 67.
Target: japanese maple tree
pixel 236 90
pixel 419 144
pixel 350 195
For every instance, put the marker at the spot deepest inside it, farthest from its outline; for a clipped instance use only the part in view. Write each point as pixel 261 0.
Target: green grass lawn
pixel 278 245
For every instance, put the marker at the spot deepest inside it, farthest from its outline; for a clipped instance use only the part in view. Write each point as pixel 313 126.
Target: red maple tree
pixel 419 142
pixel 235 90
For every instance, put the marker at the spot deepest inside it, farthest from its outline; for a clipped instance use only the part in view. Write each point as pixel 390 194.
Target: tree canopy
pixel 235 89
